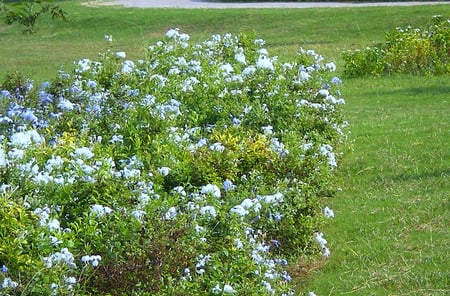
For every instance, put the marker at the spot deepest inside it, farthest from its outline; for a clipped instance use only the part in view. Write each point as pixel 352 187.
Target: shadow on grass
pixel 412 91
pixel 406 176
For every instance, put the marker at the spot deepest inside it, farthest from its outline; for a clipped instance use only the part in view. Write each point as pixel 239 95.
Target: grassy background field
pixel 390 235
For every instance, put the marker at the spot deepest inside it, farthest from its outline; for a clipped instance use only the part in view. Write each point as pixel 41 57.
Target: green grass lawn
pixel 390 235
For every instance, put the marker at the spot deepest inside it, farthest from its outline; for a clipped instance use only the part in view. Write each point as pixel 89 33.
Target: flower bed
pixel 198 169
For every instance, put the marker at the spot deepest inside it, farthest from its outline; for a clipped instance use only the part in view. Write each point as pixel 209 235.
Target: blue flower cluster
pixel 206 156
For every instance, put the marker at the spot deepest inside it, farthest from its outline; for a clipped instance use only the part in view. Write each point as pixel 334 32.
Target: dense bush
pixel 406 50
pixel 195 170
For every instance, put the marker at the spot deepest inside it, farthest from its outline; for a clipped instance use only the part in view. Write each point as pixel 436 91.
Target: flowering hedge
pixel 198 169
pixel 406 50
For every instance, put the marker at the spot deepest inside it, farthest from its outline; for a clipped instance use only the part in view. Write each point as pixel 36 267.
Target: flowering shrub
pixel 406 50
pixel 195 170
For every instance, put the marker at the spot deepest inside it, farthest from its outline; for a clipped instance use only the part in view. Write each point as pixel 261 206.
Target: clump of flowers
pixel 198 169
pixel 406 50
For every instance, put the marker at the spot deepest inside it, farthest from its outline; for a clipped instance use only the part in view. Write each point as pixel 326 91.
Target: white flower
pixel 100 211
pixel 226 68
pixel 172 33
pixel 54 162
pixel 138 214
pixel 3 158
pixel 272 199
pixel 239 210
pixel 240 58
pixel 264 63
pixel 267 130
pixel 53 225
pixel 171 213
pixel 330 66
pixel 65 104
pixel 248 71
pixel 217 289
pixel 121 54
pixel 328 212
pixel 128 66
pixel 199 228
pixel 325 252
pixel 304 76
pixel 211 189
pixel 164 171
pixel 210 210
pixel 16 153
pixel 83 153
pixel 70 280
pixel 116 139
pixel 9 283
pixel 84 65
pixel 323 244
pixel 64 257
pixel 228 289
pixel 217 147
pixel 25 139
pixel 94 259
pixel 312 294
pixel 327 150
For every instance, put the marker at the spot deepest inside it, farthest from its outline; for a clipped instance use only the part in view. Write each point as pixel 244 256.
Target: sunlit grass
pixel 390 235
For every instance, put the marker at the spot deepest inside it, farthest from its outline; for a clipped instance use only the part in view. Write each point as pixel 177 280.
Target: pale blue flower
pixel 330 66
pixel 8 283
pixel 273 199
pixel 267 130
pixel 240 57
pixel 248 71
pixel 171 213
pixel 318 236
pixel 172 33
pixel 128 66
pixel 217 147
pixel 217 289
pixel 328 212
pixel 228 289
pixel 4 269
pixel 264 63
pixel 94 259
pixel 91 84
pixel 25 139
pixel 70 280
pixel 336 80
pixel 227 185
pixel 138 214
pixel 65 105
pixel 121 54
pixel 83 153
pixel 53 225
pixel 211 189
pixel 208 210
pixel 164 171
pixel 100 210
pixel 239 210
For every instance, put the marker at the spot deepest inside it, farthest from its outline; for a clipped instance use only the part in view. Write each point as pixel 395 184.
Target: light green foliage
pixel 197 169
pixel 406 50
pixel 27 13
